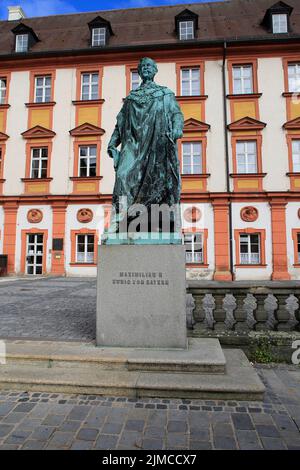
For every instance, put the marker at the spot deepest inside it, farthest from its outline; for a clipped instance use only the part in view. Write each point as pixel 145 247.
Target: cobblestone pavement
pixel 48 308
pixel 55 421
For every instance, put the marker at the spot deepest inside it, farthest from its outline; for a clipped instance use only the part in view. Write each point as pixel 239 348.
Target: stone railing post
pixel 281 314
pixel 239 313
pixel 219 314
pixel 260 313
pixel 199 312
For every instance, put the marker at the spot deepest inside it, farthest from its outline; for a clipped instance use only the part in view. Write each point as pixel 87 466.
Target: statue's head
pixel 147 68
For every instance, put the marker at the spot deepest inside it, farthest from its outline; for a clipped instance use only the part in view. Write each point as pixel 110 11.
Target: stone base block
pixel 141 296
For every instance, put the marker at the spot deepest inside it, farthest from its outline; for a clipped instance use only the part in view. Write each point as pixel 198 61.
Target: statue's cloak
pixel 147 171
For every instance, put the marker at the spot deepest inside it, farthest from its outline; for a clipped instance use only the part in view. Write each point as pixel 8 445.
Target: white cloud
pixel 38 7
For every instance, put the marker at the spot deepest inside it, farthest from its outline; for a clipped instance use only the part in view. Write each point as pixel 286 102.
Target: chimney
pixel 15 13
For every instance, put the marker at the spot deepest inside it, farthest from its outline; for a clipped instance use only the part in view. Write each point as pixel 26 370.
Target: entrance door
pixel 34 253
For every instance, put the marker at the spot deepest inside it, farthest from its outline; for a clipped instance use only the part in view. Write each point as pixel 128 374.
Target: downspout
pixel 227 158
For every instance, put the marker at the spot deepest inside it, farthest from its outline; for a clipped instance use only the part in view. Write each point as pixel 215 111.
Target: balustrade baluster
pixel 281 314
pixel 240 314
pixel 219 314
pixel 260 313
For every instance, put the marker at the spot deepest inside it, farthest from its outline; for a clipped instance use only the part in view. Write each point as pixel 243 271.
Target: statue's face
pixel 147 69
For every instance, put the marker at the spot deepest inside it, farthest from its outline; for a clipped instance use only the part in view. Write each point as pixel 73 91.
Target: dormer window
pixel 186 24
pixel 100 32
pixel 22 42
pixel 279 23
pixel 186 30
pixel 277 18
pixel 25 38
pixel 98 37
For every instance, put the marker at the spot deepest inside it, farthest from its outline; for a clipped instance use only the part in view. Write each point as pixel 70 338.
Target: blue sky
pixel 52 7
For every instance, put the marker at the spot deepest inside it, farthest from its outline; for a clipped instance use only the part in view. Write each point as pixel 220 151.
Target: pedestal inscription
pixel 141 296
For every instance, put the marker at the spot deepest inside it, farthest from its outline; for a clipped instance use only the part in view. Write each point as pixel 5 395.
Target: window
pixel 89 86
pixel 190 81
pixel 135 80
pixel 242 79
pixel 294 77
pixel 186 30
pixel 85 249
pixel 246 154
pixel 22 43
pixel 296 155
pixel 3 85
pixel 191 158
pixel 42 92
pixel 249 248
pixel 279 23
pixel 193 247
pixel 39 162
pixel 87 161
pixel 298 248
pixel 98 36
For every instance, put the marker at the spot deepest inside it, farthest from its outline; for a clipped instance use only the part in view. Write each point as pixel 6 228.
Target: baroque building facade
pixel 235 70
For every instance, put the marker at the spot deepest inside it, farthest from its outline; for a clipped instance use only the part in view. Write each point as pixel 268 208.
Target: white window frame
pixel 279 23
pixel 298 247
pixel 40 159
pixel 194 239
pixel 296 155
pixel 88 157
pixel 22 42
pixel 186 30
pixel 294 77
pixel 91 82
pixel 250 257
pixel 3 89
pixel 46 89
pixel 191 80
pixel 246 155
pixel 192 155
pixel 134 82
pixel 243 89
pixel 86 259
pixel 98 36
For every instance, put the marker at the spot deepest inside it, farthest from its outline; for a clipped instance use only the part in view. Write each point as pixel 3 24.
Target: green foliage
pixel 262 351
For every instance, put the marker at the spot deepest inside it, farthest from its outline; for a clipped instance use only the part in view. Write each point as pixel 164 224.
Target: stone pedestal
pixel 141 296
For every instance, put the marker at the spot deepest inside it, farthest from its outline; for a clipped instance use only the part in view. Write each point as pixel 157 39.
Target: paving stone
pixel 242 421
pixel 267 431
pixel 82 445
pixel 200 445
pixel 24 408
pixel 224 443
pixel 5 429
pixel 33 445
pixel 42 433
pixel 152 444
pixel 177 426
pixel 134 425
pixel 106 442
pixel 60 439
pixel 112 428
pixel 175 439
pixel 271 443
pixel 53 420
pixel 69 426
pixel 248 440
pixel 197 434
pixel 154 432
pixel 131 439
pixel 79 413
pixel 222 429
pixel 86 434
pixel 17 437
pixel 5 408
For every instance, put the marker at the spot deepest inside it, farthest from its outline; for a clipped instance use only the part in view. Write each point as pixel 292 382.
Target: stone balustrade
pixel 244 306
